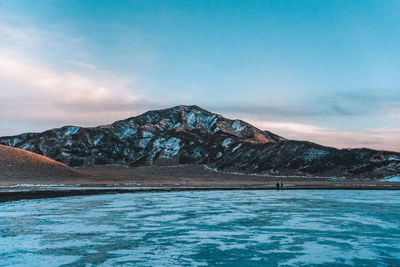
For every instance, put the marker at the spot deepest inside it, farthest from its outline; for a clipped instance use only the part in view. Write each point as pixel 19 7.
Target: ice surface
pixel 229 228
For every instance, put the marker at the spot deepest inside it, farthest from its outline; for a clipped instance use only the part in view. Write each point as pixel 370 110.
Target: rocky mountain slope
pixel 190 134
pixel 301 158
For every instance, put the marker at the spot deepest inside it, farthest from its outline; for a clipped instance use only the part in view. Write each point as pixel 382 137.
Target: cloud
pixel 381 139
pixel 62 87
pixel 267 111
pixel 349 104
pixel 361 102
pixel 34 87
pixel 27 83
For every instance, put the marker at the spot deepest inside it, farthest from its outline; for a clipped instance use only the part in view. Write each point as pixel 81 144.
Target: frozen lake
pixel 240 228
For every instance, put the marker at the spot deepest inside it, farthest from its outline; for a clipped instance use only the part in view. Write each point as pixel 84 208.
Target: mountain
pixel 182 134
pixel 289 157
pixel 18 163
pixel 190 134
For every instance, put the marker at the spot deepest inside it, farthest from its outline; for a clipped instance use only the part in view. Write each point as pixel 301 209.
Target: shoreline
pixel 7 196
pixel 97 180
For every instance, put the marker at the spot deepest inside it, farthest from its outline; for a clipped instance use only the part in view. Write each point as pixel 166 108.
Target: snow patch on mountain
pixel 207 122
pixel 143 142
pixel 391 179
pixel 226 142
pixel 237 126
pixel 127 132
pixel 172 147
pixel 170 123
pixel 191 119
pixel 197 119
pixel 147 134
pixel 70 131
pixel 65 154
pixel 314 153
pixel 97 139
pixel 236 147
pixel 197 153
pixel 169 147
pixel 28 146
pixel 175 125
pixel 15 141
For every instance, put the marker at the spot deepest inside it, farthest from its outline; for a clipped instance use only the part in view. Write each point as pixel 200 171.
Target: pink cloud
pixel 381 139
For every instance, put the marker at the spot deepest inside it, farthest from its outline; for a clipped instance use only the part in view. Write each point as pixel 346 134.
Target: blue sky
pixel 324 71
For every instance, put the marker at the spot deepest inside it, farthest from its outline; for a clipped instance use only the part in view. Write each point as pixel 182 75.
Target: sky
pixel 322 71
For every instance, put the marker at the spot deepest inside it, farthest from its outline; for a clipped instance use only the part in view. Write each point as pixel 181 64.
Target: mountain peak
pixel 178 109
pixel 190 117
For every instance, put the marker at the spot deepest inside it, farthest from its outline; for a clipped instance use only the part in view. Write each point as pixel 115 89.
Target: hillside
pixel 25 165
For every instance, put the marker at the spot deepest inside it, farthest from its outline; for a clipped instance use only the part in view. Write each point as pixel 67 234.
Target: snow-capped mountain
pixel 190 134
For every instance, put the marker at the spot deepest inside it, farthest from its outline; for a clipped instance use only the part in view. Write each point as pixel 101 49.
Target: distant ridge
pixel 193 135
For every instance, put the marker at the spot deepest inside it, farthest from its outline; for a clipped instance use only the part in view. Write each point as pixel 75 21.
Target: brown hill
pixel 26 166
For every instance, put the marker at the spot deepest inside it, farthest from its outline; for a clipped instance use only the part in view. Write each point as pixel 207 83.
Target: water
pixel 233 228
